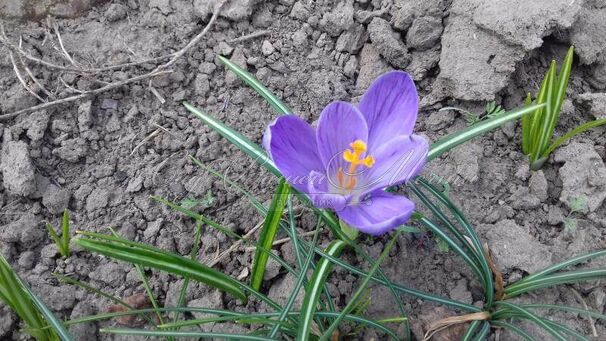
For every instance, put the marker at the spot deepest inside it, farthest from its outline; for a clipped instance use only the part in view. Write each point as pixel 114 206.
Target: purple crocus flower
pixel 355 153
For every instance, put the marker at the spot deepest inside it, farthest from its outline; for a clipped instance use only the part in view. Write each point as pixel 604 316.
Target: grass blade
pixel 354 298
pixel 65 232
pixel 268 233
pixel 137 253
pixel 526 127
pixel 243 143
pixel 167 333
pixel 314 289
pixel 560 89
pixel 514 329
pixel 254 83
pixel 445 144
pixel 556 279
pixel 543 136
pixel 559 266
pixel 573 133
pixel 530 316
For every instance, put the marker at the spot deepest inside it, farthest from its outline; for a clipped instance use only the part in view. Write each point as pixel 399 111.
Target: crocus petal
pixel 380 213
pixel 340 124
pixel 397 161
pixel 318 192
pixel 390 107
pixel 291 143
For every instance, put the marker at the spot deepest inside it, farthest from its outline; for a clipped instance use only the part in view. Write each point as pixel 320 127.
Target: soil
pixel 102 158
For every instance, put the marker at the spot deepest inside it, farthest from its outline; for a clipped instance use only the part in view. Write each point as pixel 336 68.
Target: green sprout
pixel 63 240
pixel 190 203
pixel 538 127
pixel 577 204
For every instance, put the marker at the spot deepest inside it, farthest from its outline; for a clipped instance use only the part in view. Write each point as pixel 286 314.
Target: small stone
pixel 202 84
pixel 555 216
pixel 538 185
pixel 26 260
pixel 466 159
pixel 371 67
pixel 207 68
pixel 272 269
pixel 111 274
pixel 339 19
pixel 595 102
pixel 388 43
pixel 439 120
pixel 351 67
pixel 72 150
pixel 85 115
pixel 225 49
pixel 115 12
pixel 97 199
pixel 239 59
pixel 235 10
pixel 461 293
pixel 55 199
pixel 583 175
pixel 299 11
pixel 17 169
pixel 134 185
pixel 109 104
pixel 424 33
pixel 352 40
pixel 267 48
pixel 513 247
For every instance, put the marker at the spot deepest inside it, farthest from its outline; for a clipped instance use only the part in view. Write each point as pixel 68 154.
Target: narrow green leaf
pixel 564 308
pixel 254 83
pixel 354 298
pixel 65 232
pixel 314 289
pixel 455 139
pixel 514 329
pixel 530 316
pixel 55 324
pixel 561 84
pixel 556 267
pixel 555 279
pixel 55 237
pixel 526 127
pixel 137 253
pixel 243 143
pixel 168 333
pixel 268 233
pixel 542 131
pixel 582 128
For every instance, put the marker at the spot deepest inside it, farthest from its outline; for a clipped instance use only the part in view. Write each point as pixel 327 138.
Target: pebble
pixel 17 169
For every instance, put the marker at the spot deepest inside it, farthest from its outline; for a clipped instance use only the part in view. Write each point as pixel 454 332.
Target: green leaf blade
pixel 268 233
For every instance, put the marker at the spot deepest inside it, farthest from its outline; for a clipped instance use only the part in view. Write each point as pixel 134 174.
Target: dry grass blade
pixel 447 322
pixel 498 276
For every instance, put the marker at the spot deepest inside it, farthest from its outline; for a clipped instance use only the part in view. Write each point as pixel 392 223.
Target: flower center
pixel 353 157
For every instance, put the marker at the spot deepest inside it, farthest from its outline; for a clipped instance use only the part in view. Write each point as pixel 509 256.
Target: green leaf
pixel 560 90
pixel 526 127
pixel 455 139
pixel 543 137
pixel 65 232
pixel 314 289
pixel 256 85
pixel 514 329
pixel 556 267
pixel 268 233
pixel 169 333
pixel 354 298
pixel 137 253
pixel 530 316
pixel 243 143
pixel 582 128
pixel 555 279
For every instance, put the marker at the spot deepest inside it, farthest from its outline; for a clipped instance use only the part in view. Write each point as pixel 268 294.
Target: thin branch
pixel 83 95
pixel 178 54
pixel 20 77
pixel 56 29
pixel 249 36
